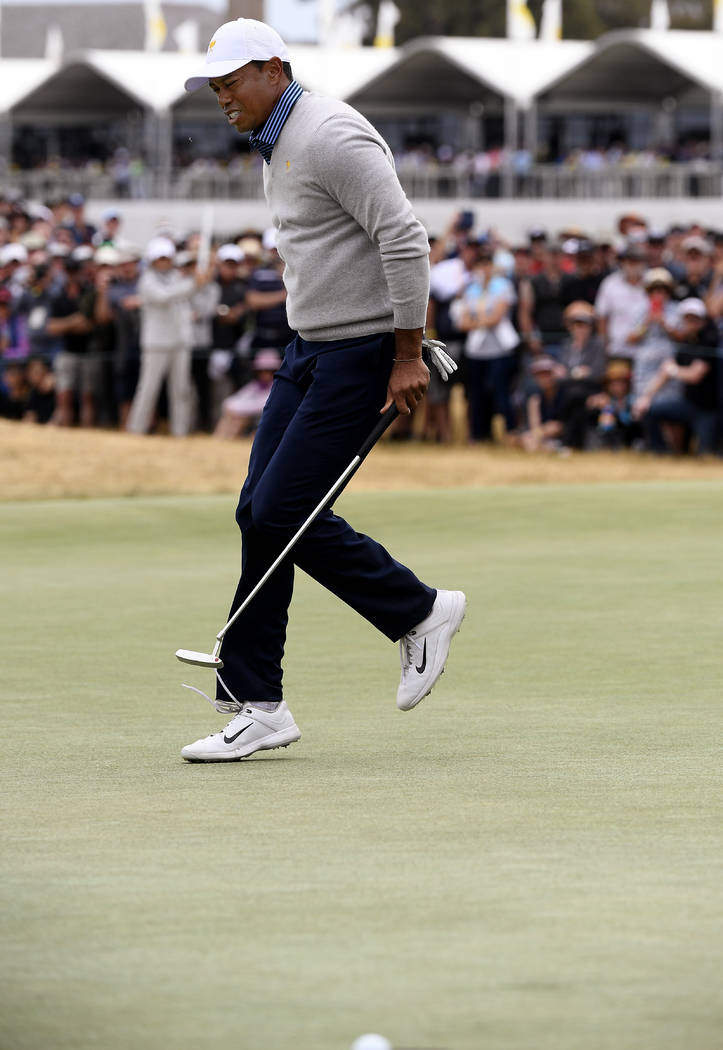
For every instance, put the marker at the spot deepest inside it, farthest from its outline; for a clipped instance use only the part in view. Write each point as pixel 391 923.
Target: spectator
pixel 13 328
pixel 544 409
pixel 110 228
pixel 652 338
pixel 242 410
pixel 483 312
pixel 81 231
pixel 103 339
pixel 266 300
pixel 621 301
pixel 204 302
pixel 582 360
pixel 13 391
pixel 165 302
pixel 612 425
pixel 698 273
pixel 124 305
pixel 695 411
pixel 77 367
pixel 540 306
pixel 35 306
pixel 224 368
pixel 40 405
pixel 586 276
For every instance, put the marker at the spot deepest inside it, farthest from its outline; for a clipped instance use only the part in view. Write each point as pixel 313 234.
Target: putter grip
pixel 386 420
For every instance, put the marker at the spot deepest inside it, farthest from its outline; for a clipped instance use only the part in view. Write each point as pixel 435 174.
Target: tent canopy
pixel 641 67
pixel 439 71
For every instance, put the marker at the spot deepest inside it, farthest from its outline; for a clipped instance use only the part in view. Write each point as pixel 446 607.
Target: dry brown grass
pixel 49 463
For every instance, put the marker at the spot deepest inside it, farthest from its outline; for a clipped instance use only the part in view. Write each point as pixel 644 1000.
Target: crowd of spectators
pixel 565 342
pixel 96 331
pixel 580 343
pixel 126 174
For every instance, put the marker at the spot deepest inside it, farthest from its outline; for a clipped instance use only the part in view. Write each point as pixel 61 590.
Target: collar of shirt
pixel 264 138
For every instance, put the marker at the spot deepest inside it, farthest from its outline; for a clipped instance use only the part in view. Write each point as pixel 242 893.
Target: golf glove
pixel 438 356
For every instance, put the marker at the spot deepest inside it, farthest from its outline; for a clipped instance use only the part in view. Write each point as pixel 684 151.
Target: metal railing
pixel 539 182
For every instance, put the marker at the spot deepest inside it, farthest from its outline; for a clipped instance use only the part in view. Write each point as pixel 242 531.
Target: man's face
pixel 248 95
pixel 696 265
pixel 633 270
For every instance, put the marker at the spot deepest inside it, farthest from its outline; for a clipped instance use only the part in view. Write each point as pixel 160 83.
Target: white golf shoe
pixel 423 651
pixel 250 730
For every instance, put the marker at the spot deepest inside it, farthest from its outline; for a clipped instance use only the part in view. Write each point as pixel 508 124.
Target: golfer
pixel 356 273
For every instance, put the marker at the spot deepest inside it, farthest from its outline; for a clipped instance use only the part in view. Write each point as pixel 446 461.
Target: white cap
pixel 13 253
pixel 107 255
pixel 83 253
pixel 235 44
pixel 692 306
pixel 229 253
pixel 269 239
pixel 160 248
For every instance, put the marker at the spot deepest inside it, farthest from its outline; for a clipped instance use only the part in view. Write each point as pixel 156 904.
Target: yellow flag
pixel 520 23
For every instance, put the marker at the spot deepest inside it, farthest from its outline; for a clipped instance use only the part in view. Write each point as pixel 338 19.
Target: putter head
pixel 187 656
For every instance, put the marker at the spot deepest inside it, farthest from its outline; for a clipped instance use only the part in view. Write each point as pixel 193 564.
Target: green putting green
pixel 527 861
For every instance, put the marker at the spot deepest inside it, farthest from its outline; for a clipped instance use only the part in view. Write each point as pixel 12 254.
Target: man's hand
pixel 410 376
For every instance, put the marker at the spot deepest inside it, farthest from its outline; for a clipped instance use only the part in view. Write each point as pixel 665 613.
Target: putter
pixel 445 366
pixel 212 659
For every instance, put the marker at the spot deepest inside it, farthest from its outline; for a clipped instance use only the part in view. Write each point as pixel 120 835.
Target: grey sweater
pixel 165 309
pixel 356 257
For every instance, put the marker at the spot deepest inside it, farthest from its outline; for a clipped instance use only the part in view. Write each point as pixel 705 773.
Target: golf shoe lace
pixel 408 648
pixel 224 707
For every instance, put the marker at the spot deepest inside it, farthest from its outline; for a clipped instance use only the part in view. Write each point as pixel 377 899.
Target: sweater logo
pixel 288 164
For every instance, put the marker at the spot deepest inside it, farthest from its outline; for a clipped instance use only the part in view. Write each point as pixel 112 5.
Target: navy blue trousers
pixel 324 401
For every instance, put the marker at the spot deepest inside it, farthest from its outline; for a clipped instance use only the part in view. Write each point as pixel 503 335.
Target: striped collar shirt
pixel 264 139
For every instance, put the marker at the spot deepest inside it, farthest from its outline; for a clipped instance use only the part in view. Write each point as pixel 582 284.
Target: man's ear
pixel 275 69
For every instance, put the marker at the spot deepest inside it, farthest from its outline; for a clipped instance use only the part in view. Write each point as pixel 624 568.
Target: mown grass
pixel 527 860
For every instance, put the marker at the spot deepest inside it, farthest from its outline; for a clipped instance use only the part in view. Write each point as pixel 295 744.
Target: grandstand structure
pixel 646 87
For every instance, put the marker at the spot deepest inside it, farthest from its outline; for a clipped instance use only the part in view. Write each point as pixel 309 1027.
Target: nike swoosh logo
pixel 420 669
pixel 230 739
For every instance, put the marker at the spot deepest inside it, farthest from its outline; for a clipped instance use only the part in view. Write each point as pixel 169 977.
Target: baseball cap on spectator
pixel 129 252
pixel 632 250
pixel 229 253
pixel 537 233
pixel 109 214
pixel 83 253
pixel 235 44
pixel 34 241
pixel 579 310
pixel 618 370
pixel 267 360
pixel 656 236
pixel 630 219
pixel 10 253
pixel 658 277
pixel 76 200
pixel 39 212
pixel 696 243
pixel 543 364
pixel 692 307
pixel 58 250
pixel 160 248
pixel 250 246
pixel 268 241
pixel 107 255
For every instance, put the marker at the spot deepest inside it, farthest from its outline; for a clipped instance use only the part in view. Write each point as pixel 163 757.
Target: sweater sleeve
pixel 151 290
pixel 353 167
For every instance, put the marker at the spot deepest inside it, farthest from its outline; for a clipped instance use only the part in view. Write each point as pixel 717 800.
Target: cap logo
pixel 212 45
